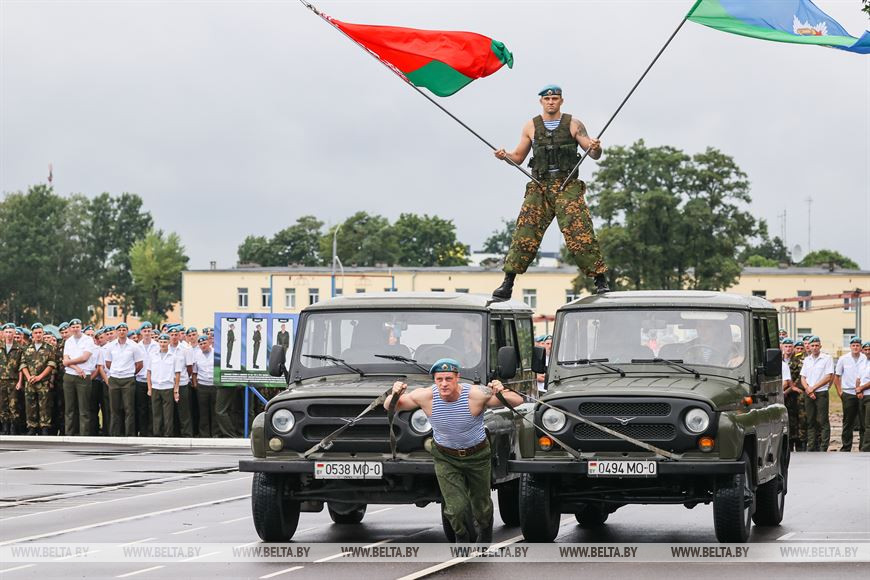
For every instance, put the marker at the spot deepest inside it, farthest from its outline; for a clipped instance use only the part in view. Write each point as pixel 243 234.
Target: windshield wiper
pixel 596 362
pixel 404 359
pixel 335 360
pixel 676 363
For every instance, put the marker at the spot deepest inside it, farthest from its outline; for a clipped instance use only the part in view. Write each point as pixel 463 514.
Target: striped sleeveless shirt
pixel 453 425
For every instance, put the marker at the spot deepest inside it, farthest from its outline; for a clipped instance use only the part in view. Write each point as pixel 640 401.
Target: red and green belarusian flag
pixel 438 60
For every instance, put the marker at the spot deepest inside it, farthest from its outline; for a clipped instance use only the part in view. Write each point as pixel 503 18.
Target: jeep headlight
pixel 283 421
pixel 420 422
pixel 553 420
pixel 697 420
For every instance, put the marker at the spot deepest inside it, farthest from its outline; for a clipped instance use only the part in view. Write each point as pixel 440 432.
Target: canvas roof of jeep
pixel 417 301
pixel 670 298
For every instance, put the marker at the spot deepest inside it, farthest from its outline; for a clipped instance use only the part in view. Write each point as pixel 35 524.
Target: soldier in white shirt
pixel 164 371
pixel 144 421
pixel 184 405
pixel 847 377
pixel 863 392
pixel 79 363
pixel 124 359
pixel 816 376
pixel 203 381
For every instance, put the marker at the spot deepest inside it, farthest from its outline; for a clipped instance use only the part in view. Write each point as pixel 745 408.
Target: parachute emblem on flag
pixel 807 29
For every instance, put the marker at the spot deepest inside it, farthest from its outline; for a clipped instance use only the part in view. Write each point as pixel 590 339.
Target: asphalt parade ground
pixel 64 493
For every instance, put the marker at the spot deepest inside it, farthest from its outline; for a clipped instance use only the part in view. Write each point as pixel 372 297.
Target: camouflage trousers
pixel 465 484
pixel 570 210
pixel 8 400
pixel 865 411
pixel 792 402
pixel 802 418
pixel 39 404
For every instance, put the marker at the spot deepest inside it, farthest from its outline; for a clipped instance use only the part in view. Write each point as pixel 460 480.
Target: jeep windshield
pixel 390 341
pixel 650 337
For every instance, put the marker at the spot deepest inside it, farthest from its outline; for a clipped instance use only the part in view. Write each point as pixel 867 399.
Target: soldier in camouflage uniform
pixel 791 394
pixel 10 380
pixel 553 137
pixel 37 366
pixel 794 365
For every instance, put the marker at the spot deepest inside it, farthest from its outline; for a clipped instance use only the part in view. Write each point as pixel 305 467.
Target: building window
pixel 462 290
pixel 289 297
pixel 530 297
pixel 570 296
pixel 848 304
pixel 243 297
pixel 805 304
pixel 389 289
pixel 266 297
pixel 313 295
pixel 760 293
pixel 802 332
pixel 848 333
pixel 339 291
pixel 112 310
pixel 437 289
pixel 360 290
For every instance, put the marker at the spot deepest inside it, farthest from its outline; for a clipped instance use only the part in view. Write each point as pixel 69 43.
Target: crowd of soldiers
pixel 807 376
pixel 81 380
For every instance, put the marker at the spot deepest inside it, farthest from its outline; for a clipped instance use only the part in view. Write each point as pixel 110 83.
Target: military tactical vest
pixel 553 152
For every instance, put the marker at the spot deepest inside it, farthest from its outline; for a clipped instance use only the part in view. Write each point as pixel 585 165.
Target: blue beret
pixel 122 325
pixel 866 344
pixel 202 339
pixel 541 338
pixel 855 339
pixel 444 365
pixel 191 329
pixel 75 321
pixel 63 326
pixel 35 325
pixel 550 90
pixel 163 336
pixel 25 332
pixel 18 330
pixel 815 338
pixel 146 324
pixel 133 333
pixel 88 327
pixel 9 325
pixel 787 341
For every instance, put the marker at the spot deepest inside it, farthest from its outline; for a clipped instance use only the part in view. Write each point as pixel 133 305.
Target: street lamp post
pixel 335 258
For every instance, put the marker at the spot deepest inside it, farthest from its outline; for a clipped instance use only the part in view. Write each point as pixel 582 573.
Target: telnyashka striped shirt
pixel 453 425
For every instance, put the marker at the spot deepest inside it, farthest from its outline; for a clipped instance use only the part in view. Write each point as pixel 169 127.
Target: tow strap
pixel 326 442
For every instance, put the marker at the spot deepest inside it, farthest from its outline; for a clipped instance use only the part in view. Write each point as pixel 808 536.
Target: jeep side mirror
pixel 276 361
pixel 507 362
pixel 539 359
pixel 772 362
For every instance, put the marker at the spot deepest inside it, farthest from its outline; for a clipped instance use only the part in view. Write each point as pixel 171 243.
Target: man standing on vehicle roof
pixel 461 449
pixel 553 137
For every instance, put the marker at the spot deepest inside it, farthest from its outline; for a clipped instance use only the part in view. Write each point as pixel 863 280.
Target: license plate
pixel 622 469
pixel 348 470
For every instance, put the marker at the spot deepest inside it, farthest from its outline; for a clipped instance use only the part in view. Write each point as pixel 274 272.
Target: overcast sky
pixel 235 118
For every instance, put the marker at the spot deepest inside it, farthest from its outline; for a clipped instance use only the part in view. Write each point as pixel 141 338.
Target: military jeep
pixel 347 355
pixel 688 388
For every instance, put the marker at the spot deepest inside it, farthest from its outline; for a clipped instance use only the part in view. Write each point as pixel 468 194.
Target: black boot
pixel 45 431
pixel 13 428
pixel 31 431
pixel 4 429
pixel 601 284
pixel 503 292
pixel 484 535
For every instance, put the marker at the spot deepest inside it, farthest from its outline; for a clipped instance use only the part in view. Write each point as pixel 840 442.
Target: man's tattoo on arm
pixel 485 390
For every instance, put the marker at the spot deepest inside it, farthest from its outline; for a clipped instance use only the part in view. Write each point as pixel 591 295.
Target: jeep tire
pixel 509 502
pixel 275 516
pixel 539 510
pixel 733 504
pixel 591 516
pixel 354 516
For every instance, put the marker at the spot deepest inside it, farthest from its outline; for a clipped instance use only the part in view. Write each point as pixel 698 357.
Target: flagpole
pixel 420 91
pixel 628 96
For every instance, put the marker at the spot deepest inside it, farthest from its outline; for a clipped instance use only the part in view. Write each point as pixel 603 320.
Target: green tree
pixel 363 240
pixel 258 250
pixel 671 220
pixel 156 264
pixel 771 250
pixel 44 257
pixel 499 242
pixel 300 243
pixel 866 7
pixel 828 259
pixel 757 261
pixel 428 241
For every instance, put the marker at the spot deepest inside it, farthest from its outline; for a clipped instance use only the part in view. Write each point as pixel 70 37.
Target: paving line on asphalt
pixel 72 494
pixel 124 519
pixel 235 520
pixel 17 568
pixel 136 542
pixel 192 558
pixel 89 458
pixel 139 496
pixel 178 533
pixel 284 571
pixel 342 554
pixel 786 537
pixel 459 560
pixel 128 574
pixel 379 511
